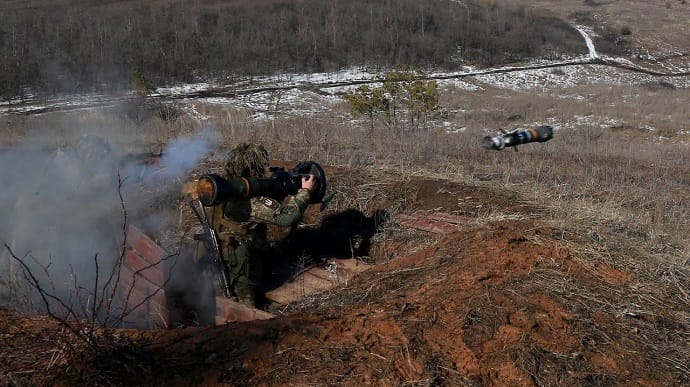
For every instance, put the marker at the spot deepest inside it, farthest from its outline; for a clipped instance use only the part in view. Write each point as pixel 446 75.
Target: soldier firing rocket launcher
pixel 213 189
pixel 518 137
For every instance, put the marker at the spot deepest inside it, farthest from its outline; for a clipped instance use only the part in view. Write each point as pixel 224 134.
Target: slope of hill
pixel 504 297
pixel 566 263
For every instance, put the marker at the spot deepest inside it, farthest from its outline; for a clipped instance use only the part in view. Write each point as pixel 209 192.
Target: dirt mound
pixel 504 299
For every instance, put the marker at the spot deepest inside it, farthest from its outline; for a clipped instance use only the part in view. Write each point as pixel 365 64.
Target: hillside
pixel 98 45
pixel 504 297
pixel 563 263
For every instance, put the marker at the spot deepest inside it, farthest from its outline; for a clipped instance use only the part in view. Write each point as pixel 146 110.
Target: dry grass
pixel 604 181
pixel 616 194
pixel 605 171
pixel 656 32
pixel 648 311
pixel 614 179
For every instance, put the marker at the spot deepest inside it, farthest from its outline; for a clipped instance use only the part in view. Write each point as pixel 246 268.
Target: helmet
pixel 247 160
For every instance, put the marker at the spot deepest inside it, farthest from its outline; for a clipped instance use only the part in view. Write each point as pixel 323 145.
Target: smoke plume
pixel 62 206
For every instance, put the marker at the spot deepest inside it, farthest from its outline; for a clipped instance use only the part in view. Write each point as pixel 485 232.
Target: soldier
pixel 240 224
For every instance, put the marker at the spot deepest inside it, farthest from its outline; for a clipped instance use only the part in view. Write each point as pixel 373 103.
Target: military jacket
pixel 243 218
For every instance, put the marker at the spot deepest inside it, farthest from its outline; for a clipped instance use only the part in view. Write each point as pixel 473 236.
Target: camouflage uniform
pixel 241 224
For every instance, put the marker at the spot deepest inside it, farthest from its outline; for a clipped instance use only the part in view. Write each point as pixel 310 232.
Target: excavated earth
pixel 499 297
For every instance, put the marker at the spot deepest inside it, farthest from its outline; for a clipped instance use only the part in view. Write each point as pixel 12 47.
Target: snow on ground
pixel 310 94
pixel 283 79
pixel 586 32
pixel 307 102
pixel 265 104
pixel 569 76
pixel 580 121
pixel 183 89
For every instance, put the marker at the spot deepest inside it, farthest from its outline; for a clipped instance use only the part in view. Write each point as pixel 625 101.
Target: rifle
pixel 209 236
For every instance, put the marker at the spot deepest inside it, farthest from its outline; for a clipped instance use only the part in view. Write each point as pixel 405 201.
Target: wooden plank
pixel 141 282
pixel 228 311
pixel 144 246
pixel 333 273
pixel 342 270
pixel 314 279
pixel 139 265
pixel 142 289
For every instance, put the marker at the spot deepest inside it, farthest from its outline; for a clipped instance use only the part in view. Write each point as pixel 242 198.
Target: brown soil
pixel 504 300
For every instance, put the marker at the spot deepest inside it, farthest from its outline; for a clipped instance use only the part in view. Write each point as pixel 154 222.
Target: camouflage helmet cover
pixel 247 160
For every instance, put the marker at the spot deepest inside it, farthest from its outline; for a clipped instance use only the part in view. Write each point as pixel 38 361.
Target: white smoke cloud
pixel 184 153
pixel 61 205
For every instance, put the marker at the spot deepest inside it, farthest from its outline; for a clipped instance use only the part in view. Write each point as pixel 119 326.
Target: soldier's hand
pixel 309 182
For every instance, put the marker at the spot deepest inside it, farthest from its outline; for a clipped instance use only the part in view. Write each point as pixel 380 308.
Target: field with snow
pixel 562 263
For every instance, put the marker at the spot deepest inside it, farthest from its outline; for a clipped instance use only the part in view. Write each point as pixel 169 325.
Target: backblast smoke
pixel 61 209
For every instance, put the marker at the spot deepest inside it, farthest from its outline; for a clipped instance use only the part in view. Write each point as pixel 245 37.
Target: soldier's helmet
pixel 247 160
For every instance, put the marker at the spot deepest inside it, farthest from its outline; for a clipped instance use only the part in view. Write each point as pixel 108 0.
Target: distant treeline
pixel 65 46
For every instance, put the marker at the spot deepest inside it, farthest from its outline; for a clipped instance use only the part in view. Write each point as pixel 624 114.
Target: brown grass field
pixel 572 266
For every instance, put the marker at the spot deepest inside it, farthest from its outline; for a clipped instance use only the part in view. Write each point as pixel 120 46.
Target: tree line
pixel 72 46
